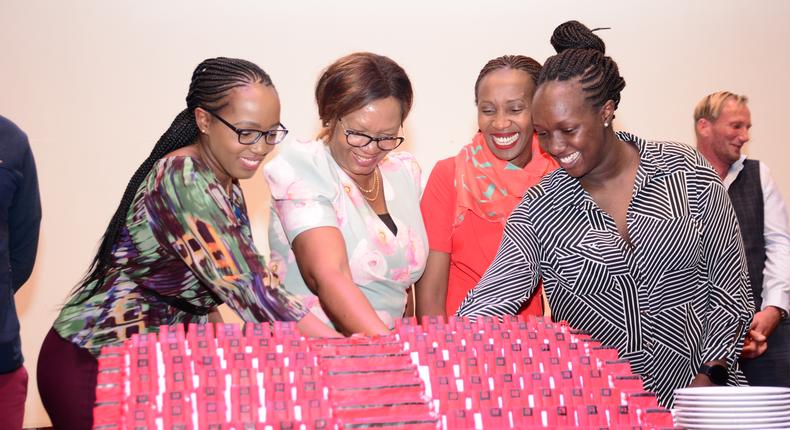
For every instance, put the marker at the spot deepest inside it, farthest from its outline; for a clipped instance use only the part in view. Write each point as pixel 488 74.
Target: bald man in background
pixel 722 121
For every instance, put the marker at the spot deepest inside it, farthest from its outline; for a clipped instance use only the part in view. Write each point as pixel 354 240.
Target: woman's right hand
pixel 310 326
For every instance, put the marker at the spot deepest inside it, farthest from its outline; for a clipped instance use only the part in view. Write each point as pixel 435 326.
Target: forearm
pixel 432 286
pixel 776 232
pixel 510 280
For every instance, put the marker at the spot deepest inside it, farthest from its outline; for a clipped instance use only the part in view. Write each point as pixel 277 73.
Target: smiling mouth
pixel 569 159
pixel 251 163
pixel 364 161
pixel 504 140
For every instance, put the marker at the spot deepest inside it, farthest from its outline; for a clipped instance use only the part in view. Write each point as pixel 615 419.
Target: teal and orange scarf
pixel 490 187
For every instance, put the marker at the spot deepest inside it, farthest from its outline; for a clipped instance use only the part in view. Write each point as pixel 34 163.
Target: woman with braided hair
pixel 636 242
pixel 179 243
pixel 469 196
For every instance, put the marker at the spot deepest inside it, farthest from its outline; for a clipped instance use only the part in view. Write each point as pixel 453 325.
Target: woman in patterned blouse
pixel 346 232
pixel 179 243
pixel 636 242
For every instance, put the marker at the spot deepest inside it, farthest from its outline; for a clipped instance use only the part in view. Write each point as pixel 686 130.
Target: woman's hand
pixel 310 326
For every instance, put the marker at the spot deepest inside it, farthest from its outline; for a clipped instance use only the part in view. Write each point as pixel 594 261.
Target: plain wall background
pixel 94 83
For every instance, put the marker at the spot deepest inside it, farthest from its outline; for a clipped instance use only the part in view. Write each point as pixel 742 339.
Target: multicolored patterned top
pixel 310 190
pixel 184 238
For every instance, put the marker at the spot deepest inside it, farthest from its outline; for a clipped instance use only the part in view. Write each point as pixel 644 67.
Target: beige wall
pixel 95 82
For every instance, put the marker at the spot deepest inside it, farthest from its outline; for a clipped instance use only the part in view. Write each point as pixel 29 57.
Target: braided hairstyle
pixel 211 81
pixel 515 62
pixel 580 53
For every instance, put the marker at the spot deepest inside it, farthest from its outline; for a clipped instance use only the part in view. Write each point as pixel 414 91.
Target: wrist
pixel 716 372
pixel 780 313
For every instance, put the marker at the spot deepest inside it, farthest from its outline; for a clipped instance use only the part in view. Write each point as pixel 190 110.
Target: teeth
pixel 570 158
pixel 250 162
pixel 505 141
pixel 362 159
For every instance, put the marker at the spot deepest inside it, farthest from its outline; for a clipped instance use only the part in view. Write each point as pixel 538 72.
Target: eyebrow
pixel 255 125
pixel 357 130
pixel 516 100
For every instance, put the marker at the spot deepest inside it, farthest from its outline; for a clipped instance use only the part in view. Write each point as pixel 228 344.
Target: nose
pixel 744 135
pixel 501 121
pixel 261 147
pixel 554 145
pixel 372 148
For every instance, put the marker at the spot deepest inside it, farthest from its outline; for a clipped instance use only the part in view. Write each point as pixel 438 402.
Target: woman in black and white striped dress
pixel 636 242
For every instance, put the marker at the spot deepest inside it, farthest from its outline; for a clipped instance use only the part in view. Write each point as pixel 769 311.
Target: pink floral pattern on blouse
pixel 310 190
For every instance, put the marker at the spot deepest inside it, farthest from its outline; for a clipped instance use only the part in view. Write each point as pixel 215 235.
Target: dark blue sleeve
pixel 24 215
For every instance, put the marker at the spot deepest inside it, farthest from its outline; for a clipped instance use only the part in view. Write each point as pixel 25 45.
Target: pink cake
pixel 488 374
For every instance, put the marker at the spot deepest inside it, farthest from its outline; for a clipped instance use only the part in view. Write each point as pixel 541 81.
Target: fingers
pixel 757 336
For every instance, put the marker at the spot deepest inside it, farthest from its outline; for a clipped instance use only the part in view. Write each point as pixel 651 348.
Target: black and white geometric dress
pixel 675 297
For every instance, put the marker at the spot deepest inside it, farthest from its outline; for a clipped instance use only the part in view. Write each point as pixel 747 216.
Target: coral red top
pixel 471 239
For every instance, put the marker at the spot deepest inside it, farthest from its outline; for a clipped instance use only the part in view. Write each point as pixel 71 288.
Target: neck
pixel 368 183
pixel 719 166
pixel 620 159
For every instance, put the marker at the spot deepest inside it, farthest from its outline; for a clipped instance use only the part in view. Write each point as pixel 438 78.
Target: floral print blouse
pixel 185 239
pixel 310 190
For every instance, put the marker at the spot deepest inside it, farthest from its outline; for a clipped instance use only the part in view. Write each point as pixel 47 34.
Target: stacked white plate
pixel 708 408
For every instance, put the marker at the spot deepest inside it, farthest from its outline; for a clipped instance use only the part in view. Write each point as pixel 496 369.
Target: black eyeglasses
pixel 358 139
pixel 251 136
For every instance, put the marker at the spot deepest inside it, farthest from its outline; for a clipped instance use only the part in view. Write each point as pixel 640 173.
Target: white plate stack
pixel 724 408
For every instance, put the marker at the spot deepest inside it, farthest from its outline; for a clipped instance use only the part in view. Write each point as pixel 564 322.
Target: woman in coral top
pixel 469 196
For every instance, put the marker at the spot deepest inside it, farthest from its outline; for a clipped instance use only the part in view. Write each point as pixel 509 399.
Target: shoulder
pixel 180 169
pixel 14 145
pixel 445 167
pixel 301 169
pixel 671 157
pixel 296 155
pixel 400 160
pixel 11 132
pixel 403 163
pixel 442 175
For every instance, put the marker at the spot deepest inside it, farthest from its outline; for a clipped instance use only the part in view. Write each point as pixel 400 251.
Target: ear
pixel 703 126
pixel 607 112
pixel 202 119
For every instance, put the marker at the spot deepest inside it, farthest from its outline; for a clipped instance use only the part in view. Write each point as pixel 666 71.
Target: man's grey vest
pixel 746 193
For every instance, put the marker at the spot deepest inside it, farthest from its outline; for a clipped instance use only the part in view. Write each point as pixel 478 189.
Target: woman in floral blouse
pixel 346 233
pixel 179 243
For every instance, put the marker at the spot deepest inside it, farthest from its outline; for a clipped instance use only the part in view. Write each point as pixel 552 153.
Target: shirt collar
pixel 734 171
pixel 651 166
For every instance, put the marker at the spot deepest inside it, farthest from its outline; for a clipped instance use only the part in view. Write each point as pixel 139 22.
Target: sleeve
pixel 776 275
pixel 438 206
pixel 303 188
pixel 24 219
pixel 513 275
pixel 730 304
pixel 191 215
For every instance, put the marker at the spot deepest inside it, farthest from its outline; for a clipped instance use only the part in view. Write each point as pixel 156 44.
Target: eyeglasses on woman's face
pixel 358 139
pixel 251 136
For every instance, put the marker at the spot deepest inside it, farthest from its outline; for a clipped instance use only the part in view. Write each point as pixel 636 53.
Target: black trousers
pixel 773 367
